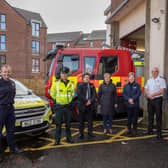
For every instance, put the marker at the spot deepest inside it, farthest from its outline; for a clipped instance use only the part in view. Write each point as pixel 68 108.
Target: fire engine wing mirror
pixel 60 58
pixel 51 54
pixel 75 58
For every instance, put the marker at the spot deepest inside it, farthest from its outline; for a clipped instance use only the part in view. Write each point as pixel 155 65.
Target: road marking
pixel 109 138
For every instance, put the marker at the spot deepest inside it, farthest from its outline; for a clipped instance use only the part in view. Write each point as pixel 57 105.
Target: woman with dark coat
pixel 107 97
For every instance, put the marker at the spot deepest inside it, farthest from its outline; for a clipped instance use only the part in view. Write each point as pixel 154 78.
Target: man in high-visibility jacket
pixel 62 92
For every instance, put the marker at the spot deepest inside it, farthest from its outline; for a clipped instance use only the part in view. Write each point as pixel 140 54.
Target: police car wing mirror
pixel 30 92
pixel 60 58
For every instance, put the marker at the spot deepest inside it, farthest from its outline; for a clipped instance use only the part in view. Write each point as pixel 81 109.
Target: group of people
pixel 63 94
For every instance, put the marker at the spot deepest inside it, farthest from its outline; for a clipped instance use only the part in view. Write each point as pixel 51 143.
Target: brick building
pixel 79 39
pixel 95 39
pixel 23 41
pixel 69 39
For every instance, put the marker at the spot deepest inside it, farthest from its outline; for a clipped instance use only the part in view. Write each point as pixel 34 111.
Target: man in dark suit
pixel 86 104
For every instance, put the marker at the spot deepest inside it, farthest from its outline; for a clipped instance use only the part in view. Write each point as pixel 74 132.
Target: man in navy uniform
pixel 7 116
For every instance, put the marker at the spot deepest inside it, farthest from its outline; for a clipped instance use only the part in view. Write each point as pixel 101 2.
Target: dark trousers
pixel 7 119
pixel 65 113
pixel 132 117
pixel 107 119
pixel 155 106
pixel 88 113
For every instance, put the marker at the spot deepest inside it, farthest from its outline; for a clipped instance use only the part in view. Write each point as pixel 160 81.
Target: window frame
pixel 2 43
pixel 4 57
pixel 2 22
pixel 35 50
pixel 93 56
pixel 91 44
pixel 35 29
pixel 34 66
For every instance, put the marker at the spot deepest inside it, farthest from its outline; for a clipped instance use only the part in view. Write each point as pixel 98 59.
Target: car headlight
pixel 47 107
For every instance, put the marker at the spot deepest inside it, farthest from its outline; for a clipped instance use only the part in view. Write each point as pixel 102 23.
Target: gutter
pixel 116 11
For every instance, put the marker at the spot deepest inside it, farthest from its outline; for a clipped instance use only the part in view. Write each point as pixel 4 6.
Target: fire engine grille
pixel 30 112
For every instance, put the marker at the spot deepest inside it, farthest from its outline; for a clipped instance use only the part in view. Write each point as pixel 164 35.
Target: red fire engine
pixel 96 62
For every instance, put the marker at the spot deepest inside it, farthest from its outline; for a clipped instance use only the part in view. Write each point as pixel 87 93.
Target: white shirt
pixel 154 85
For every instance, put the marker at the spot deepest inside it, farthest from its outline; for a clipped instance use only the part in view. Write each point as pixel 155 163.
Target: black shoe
pixel 134 133
pixel 159 137
pixel 1 157
pixel 16 150
pixel 129 133
pixel 91 135
pixel 81 136
pixel 148 132
pixel 70 141
pixel 57 143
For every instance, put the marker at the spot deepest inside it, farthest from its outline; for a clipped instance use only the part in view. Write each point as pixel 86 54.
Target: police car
pixel 33 114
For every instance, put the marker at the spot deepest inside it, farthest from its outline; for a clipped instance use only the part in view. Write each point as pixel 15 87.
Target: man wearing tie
pixel 86 103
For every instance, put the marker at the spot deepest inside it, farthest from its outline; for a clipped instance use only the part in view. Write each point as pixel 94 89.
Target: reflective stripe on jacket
pixel 62 93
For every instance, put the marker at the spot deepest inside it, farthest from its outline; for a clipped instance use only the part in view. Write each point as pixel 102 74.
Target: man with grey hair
pixel 154 90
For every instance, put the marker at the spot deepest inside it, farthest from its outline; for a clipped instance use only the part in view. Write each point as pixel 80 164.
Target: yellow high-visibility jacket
pixel 62 93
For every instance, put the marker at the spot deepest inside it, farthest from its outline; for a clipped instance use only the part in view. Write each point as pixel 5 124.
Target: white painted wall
pixel 133 20
pixel 157 35
pixel 108 34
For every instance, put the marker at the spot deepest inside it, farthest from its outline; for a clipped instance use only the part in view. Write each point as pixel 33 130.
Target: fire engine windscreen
pixel 71 61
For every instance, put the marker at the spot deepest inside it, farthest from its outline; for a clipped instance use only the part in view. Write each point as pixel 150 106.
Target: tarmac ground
pixel 116 150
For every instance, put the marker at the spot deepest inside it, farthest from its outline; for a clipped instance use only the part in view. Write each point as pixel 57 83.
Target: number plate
pixel 31 122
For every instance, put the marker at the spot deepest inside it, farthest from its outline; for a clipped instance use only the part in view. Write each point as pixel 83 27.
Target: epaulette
pixel 162 77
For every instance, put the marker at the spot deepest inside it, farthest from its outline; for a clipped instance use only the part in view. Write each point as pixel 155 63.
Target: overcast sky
pixel 67 15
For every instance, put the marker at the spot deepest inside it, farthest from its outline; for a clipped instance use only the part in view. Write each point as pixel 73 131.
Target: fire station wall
pixel 134 20
pixel 157 35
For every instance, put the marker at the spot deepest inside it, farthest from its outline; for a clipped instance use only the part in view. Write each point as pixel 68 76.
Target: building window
pixel 68 45
pixel 2 60
pixel 2 42
pixel 91 44
pixel 53 46
pixel 35 29
pixel 35 47
pixel 35 65
pixel 2 22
